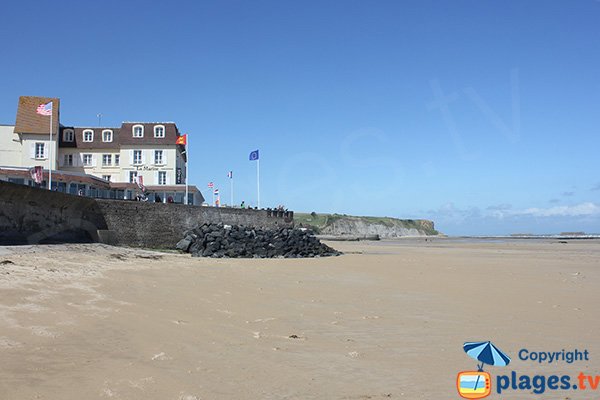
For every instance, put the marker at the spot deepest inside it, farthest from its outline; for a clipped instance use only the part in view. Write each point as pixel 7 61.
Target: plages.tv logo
pixel 478 384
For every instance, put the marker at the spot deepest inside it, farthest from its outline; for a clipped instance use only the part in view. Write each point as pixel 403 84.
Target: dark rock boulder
pixel 218 240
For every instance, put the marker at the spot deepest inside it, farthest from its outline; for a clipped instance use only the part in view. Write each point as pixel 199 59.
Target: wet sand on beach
pixel 385 320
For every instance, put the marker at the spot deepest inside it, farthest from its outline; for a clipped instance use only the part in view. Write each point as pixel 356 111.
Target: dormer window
pixel 88 135
pixel 107 136
pixel 138 131
pixel 159 131
pixel 68 135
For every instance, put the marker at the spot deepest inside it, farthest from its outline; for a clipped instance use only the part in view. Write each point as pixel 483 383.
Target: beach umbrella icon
pixel 487 353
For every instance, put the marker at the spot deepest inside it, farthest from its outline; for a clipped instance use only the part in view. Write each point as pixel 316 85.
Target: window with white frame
pixel 132 176
pixel 107 135
pixel 88 135
pixel 106 159
pixel 68 160
pixel 158 157
pixel 117 159
pixel 87 160
pixel 159 131
pixel 68 135
pixel 137 157
pixel 162 177
pixel 138 131
pixel 106 177
pixel 40 151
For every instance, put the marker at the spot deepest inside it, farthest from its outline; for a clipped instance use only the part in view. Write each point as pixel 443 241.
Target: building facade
pixel 129 158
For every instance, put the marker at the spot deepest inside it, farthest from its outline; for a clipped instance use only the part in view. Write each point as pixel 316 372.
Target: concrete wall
pixel 28 141
pixel 10 146
pixel 19 150
pixel 148 169
pixel 120 173
pixel 30 215
pixel 96 169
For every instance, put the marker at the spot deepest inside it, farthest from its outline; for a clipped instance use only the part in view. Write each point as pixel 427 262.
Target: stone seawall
pixel 160 225
pixel 31 215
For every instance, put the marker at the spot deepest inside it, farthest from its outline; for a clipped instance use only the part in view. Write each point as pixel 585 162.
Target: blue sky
pixel 481 115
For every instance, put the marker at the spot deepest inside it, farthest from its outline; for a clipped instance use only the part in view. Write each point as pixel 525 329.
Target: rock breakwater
pixel 226 241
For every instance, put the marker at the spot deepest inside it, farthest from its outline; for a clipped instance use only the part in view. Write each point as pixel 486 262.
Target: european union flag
pixel 254 155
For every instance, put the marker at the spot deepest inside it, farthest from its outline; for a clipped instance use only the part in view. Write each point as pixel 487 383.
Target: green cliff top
pixel 320 221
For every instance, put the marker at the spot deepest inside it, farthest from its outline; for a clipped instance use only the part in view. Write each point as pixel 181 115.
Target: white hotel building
pixel 96 161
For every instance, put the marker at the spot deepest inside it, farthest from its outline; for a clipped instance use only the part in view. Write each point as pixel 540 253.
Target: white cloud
pixel 503 219
pixel 578 210
pixel 449 212
pixel 500 207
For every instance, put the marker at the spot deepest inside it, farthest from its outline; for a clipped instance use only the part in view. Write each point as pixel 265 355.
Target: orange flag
pixel 182 139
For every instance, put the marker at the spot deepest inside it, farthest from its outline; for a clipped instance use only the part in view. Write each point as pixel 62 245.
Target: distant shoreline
pixel 494 237
pixel 518 237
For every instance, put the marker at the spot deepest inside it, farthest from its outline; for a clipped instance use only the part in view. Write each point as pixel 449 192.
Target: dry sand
pixel 386 320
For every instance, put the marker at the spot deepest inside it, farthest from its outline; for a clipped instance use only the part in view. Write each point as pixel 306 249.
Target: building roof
pixel 29 121
pixel 171 133
pixel 154 188
pixel 123 136
pixel 58 176
pixel 97 142
pixel 158 188
pixel 76 177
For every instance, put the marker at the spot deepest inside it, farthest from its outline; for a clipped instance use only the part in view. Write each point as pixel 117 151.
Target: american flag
pixel 230 174
pixel 45 109
pixel 210 185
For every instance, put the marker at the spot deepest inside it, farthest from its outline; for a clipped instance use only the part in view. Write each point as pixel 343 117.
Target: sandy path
pixel 386 321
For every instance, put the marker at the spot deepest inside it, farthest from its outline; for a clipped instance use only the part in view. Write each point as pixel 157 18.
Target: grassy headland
pixel 326 223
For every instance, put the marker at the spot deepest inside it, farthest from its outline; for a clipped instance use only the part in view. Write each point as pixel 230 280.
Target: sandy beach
pixel 385 320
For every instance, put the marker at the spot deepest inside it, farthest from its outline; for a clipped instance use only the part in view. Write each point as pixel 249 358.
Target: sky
pixel 482 116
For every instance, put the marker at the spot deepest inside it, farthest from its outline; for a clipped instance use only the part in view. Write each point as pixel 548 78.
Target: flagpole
pixel 231 190
pixel 258 181
pixel 50 150
pixel 187 163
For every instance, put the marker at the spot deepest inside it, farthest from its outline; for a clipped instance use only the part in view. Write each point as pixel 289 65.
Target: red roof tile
pixel 29 121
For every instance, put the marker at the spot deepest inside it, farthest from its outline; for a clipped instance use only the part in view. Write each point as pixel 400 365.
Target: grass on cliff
pixel 320 221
